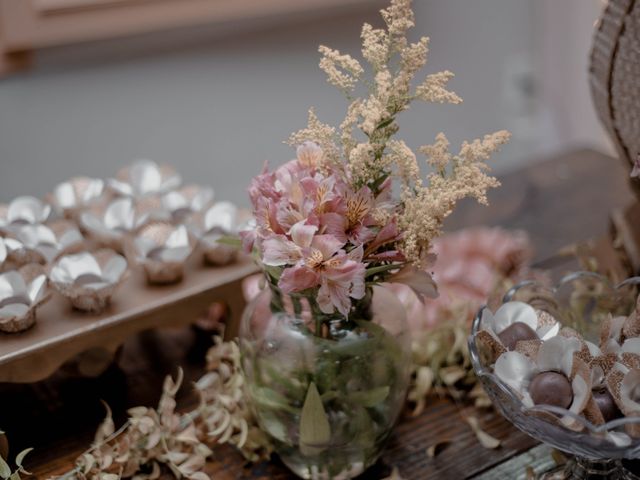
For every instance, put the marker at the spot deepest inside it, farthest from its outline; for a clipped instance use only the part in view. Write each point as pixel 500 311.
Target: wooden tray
pixel 61 333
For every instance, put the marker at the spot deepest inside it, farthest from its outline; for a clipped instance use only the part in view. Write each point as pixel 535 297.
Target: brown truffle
pixel 551 388
pixel 606 404
pixel 515 333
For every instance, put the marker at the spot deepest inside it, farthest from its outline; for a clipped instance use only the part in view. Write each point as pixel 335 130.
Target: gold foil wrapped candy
pixel 21 293
pixel 23 211
pixel 145 177
pixel 43 243
pixel 71 197
pixel 111 224
pixel 180 204
pixel 222 219
pixel 89 280
pixel 162 249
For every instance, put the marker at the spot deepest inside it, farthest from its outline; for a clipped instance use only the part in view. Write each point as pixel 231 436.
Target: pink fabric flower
pixel 469 263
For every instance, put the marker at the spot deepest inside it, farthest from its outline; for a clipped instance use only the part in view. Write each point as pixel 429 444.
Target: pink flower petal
pixel 334 224
pixel 251 286
pixel 356 254
pixel 288 216
pixel 361 234
pixel 327 244
pixel 334 295
pixel 278 251
pixel 302 234
pixel 297 279
pixel 248 238
pixel 387 234
pixel 418 280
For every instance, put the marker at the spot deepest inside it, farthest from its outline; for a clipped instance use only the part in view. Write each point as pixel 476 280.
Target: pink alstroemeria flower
pixel 342 277
pixel 317 260
pixel 351 223
pixel 635 173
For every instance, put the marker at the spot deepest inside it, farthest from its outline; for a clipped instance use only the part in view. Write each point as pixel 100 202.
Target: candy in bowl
pixel 563 365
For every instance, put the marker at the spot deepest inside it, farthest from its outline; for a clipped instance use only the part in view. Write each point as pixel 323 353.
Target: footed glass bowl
pixel 582 300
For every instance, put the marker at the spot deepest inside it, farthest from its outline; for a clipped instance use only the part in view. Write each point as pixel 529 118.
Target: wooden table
pixel 560 201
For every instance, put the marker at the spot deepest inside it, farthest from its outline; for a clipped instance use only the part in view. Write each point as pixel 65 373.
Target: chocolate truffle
pixel 551 388
pixel 87 278
pixel 15 299
pixel 606 404
pixel 515 333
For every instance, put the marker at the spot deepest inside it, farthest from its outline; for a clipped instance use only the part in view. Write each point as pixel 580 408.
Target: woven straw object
pixel 615 76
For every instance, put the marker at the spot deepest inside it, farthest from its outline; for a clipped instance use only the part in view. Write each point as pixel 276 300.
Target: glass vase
pixel 327 389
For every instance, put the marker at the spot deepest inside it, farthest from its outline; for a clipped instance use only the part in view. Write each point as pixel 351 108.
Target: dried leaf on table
pixel 486 440
pixel 181 442
pixel 436 448
pixel 395 475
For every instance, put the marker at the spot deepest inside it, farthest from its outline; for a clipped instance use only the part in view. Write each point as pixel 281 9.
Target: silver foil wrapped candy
pixel 3 254
pixel 89 280
pixel 220 220
pixel 23 211
pixel 162 249
pixel 21 293
pixel 71 197
pixel 111 224
pixel 43 243
pixel 145 177
pixel 180 204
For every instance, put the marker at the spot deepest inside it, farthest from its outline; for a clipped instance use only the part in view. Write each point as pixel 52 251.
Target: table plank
pixel 560 201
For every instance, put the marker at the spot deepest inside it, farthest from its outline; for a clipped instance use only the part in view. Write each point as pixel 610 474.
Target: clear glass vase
pixel 327 389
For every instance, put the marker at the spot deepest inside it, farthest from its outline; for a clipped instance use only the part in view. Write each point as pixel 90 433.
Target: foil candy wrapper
pixel 162 249
pixel 71 197
pixel 182 203
pixel 3 254
pixel 111 224
pixel 89 280
pixel 43 243
pixel 21 293
pixel 23 211
pixel 220 220
pixel 144 177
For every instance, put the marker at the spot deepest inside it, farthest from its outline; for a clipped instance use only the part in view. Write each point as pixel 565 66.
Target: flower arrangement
pixel 354 209
pixel 325 351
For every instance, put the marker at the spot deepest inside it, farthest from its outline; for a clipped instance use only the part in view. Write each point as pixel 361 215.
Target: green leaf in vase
pixel 315 431
pixel 369 398
pixel 270 399
pixel 362 428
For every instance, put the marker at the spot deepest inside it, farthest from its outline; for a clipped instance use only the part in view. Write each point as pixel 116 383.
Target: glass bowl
pixel 582 300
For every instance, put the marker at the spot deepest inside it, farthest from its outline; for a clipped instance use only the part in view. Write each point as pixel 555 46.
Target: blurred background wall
pixel 217 101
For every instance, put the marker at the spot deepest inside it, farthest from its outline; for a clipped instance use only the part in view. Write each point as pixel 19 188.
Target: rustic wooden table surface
pixel 558 201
